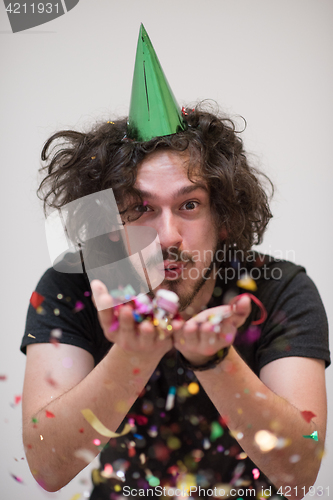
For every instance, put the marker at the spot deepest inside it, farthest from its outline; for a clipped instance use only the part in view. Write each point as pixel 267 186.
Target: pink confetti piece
pixel 255 473
pixel 49 414
pixel 79 306
pixel 17 399
pixel 18 479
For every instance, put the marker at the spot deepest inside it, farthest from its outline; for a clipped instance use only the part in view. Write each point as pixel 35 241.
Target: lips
pixel 172 270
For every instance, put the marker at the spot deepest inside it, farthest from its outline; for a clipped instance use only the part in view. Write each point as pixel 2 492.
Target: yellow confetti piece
pixel 93 157
pixel 247 283
pixel 32 336
pixel 112 123
pixel 76 496
pixel 117 487
pixel 193 388
pixel 99 427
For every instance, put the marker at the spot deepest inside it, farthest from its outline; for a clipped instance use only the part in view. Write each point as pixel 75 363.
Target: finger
pixel 147 334
pixel 241 310
pixel 208 340
pixel 202 317
pixel 104 304
pixel 190 334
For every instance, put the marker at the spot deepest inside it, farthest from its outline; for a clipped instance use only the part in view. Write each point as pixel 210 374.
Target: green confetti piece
pixel 34 420
pixel 313 436
pixel 153 481
pixel 216 431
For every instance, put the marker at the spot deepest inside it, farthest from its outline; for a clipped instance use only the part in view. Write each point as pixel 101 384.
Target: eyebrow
pixel 182 191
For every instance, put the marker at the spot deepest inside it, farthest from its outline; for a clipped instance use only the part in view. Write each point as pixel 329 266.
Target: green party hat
pixel 154 111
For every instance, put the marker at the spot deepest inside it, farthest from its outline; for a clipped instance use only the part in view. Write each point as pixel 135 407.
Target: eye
pixel 142 209
pixel 190 205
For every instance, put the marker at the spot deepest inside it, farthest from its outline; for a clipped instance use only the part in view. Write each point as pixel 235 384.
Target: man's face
pixel 179 210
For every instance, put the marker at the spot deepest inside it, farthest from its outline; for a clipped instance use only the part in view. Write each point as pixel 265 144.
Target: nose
pixel 169 231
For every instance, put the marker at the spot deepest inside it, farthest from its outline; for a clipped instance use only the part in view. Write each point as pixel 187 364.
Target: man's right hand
pixel 141 339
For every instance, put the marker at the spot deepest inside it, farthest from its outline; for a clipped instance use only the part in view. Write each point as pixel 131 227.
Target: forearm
pixel 249 406
pixel 109 391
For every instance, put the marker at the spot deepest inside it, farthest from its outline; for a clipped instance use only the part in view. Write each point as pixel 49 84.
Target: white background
pixel 267 60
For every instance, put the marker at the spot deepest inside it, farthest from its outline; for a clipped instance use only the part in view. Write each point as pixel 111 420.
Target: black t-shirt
pixel 190 443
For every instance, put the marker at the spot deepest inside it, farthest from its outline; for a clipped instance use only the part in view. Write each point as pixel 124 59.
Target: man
pixel 214 409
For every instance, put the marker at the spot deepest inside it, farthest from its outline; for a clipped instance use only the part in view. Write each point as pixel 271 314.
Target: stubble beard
pixel 186 298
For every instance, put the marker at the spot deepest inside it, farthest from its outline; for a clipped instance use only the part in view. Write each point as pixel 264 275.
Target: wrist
pixel 206 363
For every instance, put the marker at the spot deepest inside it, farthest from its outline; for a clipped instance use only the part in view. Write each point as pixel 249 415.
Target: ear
pixel 223 234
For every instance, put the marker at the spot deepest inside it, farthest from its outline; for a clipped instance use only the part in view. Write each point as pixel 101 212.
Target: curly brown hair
pixel 79 164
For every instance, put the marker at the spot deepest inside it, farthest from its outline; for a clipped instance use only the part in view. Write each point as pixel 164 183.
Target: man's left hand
pixel 198 339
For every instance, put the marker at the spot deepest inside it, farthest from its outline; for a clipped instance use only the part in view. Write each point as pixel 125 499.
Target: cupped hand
pixel 198 339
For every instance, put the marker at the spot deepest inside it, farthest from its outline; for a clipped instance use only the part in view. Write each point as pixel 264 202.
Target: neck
pixel 201 300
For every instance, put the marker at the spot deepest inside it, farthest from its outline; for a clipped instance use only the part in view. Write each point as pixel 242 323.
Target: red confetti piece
pixel 17 399
pixel 81 430
pixel 49 414
pixel 36 299
pixel 223 420
pixel 263 312
pixel 136 371
pixel 3 377
pixel 308 415
pixel 51 381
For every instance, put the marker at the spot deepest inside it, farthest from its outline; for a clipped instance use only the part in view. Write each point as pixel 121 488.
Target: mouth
pixel 172 270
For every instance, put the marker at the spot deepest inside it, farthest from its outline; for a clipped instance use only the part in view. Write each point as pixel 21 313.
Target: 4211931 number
pixel 33 8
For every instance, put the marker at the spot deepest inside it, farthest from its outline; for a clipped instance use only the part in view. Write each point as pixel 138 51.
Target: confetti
pixel 216 431
pixel 153 481
pixel 255 473
pixel 76 496
pixel 260 395
pixel 313 436
pixel 78 306
pixel 173 443
pixel 49 414
pixel 99 427
pixel 85 455
pixel 55 336
pixel 193 388
pixel 36 300
pixel 308 416
pixel 67 362
pixel 31 336
pixel 93 157
pixel 3 377
pixel 108 471
pixel 17 399
pixel 170 400
pixel 248 283
pixel 265 440
pixel 51 381
pixel 18 479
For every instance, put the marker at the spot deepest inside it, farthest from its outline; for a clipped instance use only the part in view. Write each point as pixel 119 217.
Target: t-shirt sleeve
pixel 297 322
pixel 67 308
